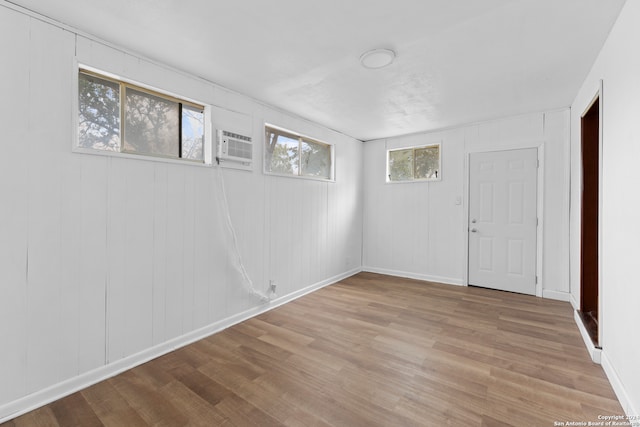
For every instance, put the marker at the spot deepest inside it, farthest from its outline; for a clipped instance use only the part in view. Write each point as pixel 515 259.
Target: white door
pixel 503 220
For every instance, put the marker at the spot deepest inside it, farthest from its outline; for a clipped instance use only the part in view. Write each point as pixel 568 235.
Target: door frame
pixel 598 95
pixel 539 205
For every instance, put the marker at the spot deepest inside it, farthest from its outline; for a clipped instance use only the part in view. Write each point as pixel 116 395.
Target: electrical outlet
pixel 272 286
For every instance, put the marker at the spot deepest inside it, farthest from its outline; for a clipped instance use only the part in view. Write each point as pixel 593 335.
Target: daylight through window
pixel 287 153
pixel 414 164
pixel 117 116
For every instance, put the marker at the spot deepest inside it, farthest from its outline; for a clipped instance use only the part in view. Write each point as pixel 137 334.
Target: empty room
pixel 338 213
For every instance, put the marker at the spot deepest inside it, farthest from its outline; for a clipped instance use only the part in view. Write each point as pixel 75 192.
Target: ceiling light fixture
pixel 377 58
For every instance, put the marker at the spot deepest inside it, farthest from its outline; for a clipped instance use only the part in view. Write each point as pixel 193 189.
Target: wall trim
pixel 574 302
pixel 618 387
pixel 556 295
pixel 57 391
pixel 594 352
pixel 417 276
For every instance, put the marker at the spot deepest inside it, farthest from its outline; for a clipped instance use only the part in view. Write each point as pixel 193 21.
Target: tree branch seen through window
pixel 154 124
pixel 287 153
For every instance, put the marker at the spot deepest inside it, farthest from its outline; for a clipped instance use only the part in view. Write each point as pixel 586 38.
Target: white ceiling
pixel 458 61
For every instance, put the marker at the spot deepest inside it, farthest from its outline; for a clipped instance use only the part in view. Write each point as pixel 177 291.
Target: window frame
pixel 125 84
pixel 414 148
pixel 300 138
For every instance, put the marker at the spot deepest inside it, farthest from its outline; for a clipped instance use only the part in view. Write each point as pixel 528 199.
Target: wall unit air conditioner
pixel 234 150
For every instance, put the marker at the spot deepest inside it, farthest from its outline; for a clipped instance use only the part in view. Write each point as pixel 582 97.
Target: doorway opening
pixel 589 256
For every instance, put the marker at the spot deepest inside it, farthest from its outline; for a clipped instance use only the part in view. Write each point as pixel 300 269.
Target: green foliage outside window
pixel 287 153
pixel 414 164
pixel 153 125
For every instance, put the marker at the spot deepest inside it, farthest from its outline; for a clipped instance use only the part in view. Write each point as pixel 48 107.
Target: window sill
pixel 309 178
pixel 414 181
pixel 143 157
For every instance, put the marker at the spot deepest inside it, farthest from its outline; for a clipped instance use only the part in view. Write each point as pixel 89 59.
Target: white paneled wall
pixel 108 261
pixel 418 230
pixel 14 204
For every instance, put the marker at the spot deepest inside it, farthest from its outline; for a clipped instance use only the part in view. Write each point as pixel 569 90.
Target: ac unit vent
pixel 235 147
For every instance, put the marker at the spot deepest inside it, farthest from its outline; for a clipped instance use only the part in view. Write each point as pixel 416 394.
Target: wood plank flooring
pixel 371 350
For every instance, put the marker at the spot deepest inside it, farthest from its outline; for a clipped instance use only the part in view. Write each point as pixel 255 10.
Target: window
pixel 414 164
pixel 120 117
pixel 287 153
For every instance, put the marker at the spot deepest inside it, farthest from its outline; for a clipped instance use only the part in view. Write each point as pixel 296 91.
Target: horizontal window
pixel 288 153
pixel 121 117
pixel 414 164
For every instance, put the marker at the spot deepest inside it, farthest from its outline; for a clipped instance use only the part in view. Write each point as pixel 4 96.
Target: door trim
pixel 539 206
pixel 598 94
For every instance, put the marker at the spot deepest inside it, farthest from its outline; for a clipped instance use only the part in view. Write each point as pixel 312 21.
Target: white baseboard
pixel 618 388
pixel 594 352
pixel 57 391
pixel 417 276
pixel 574 302
pixel 556 295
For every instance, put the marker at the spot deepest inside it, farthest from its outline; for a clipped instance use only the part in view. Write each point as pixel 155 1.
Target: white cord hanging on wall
pixel 246 280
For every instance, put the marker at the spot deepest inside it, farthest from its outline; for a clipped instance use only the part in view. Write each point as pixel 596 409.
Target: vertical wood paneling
pixel 333 255
pixel 92 262
pixel 247 227
pixel 60 78
pixel 205 237
pixel 448 217
pixel 240 205
pixel 556 207
pixel 70 202
pixel 323 234
pixel 160 203
pixel 307 235
pixel 218 257
pixel 297 245
pixel 352 220
pixel 14 185
pixel 273 230
pixel 372 207
pixel 423 229
pixel 138 256
pixel 188 254
pixel 47 127
pixel 254 224
pixel 174 315
pixel 259 226
pixel 339 205
pixel 117 294
pixel 282 233
pixel 400 226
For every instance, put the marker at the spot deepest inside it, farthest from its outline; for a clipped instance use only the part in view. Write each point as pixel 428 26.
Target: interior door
pixel 503 220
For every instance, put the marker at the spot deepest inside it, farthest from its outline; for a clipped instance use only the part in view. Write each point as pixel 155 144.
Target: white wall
pixel 107 261
pixel 417 229
pixel 618 66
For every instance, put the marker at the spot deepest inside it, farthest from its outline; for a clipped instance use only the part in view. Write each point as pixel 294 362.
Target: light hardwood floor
pixel 371 350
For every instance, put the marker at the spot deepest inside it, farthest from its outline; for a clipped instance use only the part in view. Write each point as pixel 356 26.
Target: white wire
pixel 247 282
